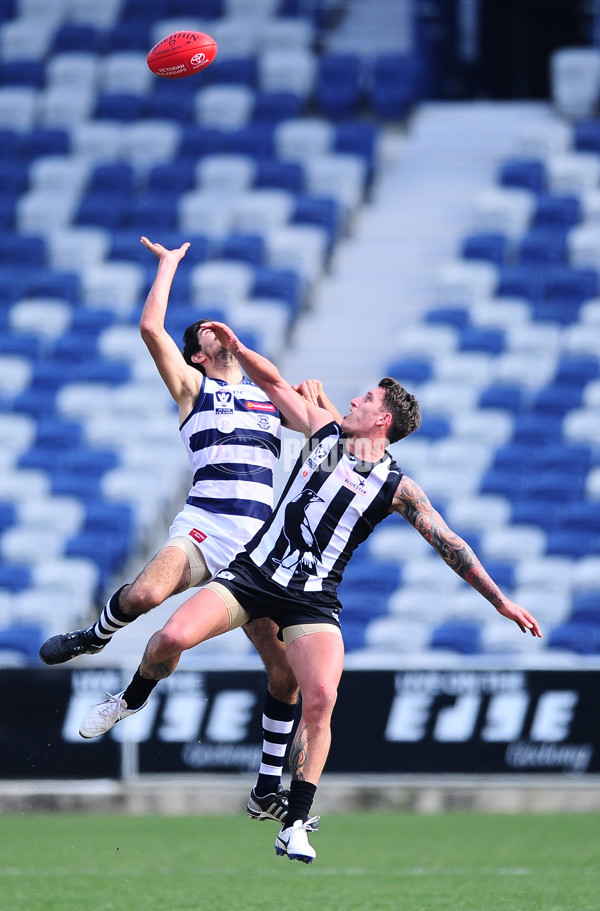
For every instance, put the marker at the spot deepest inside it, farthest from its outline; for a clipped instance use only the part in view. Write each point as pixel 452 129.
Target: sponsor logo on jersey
pixel 197 535
pixel 355 484
pixel 260 406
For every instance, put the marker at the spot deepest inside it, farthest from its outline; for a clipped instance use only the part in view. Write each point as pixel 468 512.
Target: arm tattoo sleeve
pixel 413 504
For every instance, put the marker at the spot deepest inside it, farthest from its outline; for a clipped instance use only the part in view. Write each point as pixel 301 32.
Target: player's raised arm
pixel 300 413
pixel 181 380
pixel 411 502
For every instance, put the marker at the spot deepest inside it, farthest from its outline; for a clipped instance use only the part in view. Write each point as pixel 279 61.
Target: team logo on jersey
pixel 224 403
pixel 356 484
pixel 302 551
pixel 260 406
pixel 197 535
pixel 264 423
pixel 317 456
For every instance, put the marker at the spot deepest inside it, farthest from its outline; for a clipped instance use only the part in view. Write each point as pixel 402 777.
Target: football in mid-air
pixel 182 54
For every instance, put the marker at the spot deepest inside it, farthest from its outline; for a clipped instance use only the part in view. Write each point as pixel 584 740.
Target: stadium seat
pixel 464 638
pixel 575 81
pixel 581 638
pixel 287 70
pixel 395 85
pixel 224 107
pixel 526 173
pixel 338 85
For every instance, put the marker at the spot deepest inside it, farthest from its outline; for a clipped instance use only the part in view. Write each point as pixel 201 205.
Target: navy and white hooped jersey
pixel 233 441
pixel 330 505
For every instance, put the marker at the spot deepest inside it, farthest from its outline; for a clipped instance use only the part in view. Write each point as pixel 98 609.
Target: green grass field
pixel 375 862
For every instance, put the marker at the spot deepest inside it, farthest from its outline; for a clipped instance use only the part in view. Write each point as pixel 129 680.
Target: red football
pixel 182 54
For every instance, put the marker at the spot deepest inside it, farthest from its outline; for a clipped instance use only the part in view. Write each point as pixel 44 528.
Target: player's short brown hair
pixel 404 407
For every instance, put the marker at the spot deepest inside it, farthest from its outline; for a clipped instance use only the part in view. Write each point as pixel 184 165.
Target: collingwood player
pixel 344 483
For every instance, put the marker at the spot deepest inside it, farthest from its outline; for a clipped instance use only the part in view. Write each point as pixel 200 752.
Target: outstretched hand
pixel 162 253
pixel 223 334
pixel 524 620
pixel 311 390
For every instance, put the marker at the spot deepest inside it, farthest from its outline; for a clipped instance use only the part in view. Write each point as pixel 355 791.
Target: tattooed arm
pixel 411 502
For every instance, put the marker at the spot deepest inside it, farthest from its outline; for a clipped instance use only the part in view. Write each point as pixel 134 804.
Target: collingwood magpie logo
pixel 302 548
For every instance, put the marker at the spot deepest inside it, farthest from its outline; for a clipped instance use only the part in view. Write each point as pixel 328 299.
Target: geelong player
pixel 232 435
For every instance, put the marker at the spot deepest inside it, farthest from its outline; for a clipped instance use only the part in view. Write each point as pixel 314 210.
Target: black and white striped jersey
pixel 331 503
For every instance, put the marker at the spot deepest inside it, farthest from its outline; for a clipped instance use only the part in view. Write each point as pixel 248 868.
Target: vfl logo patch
pixel 225 574
pixel 197 535
pixel 260 406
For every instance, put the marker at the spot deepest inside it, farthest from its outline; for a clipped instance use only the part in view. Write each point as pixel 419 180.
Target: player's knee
pixel 283 686
pixel 319 701
pixel 140 599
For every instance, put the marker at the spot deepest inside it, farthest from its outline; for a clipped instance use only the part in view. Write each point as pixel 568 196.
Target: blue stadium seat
pixel 473 338
pixel 413 369
pixel 338 85
pixel 581 516
pixel 255 139
pixel 280 284
pixel 586 136
pixel 53 283
pixel 577 371
pixel 520 281
pixel 151 212
pixel 569 285
pixel 14 176
pixel 544 246
pixel 232 71
pixel 537 429
pixel 503 395
pixel 249 248
pixel 175 177
pixel 534 512
pixel 162 106
pixel 555 211
pixel 562 456
pixel 14 577
pixel 434 428
pixel 319 210
pixel 582 638
pixel 118 176
pixel 22 251
pixel 572 543
pixel 457 317
pixel 285 175
pixel 23 639
pixel 464 638
pixel 53 433
pixel 104 210
pixel 358 137
pixel 121 106
pixel 44 141
pixel 274 107
pixel 22 72
pixel 488 247
pixel 130 35
pixel 505 482
pixel 557 398
pixel 74 36
pixel 395 85
pixel 197 141
pixel 526 173
pixel 586 607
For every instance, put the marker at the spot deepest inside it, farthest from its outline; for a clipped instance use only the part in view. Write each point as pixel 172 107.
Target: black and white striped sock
pixel 277 724
pixel 112 619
